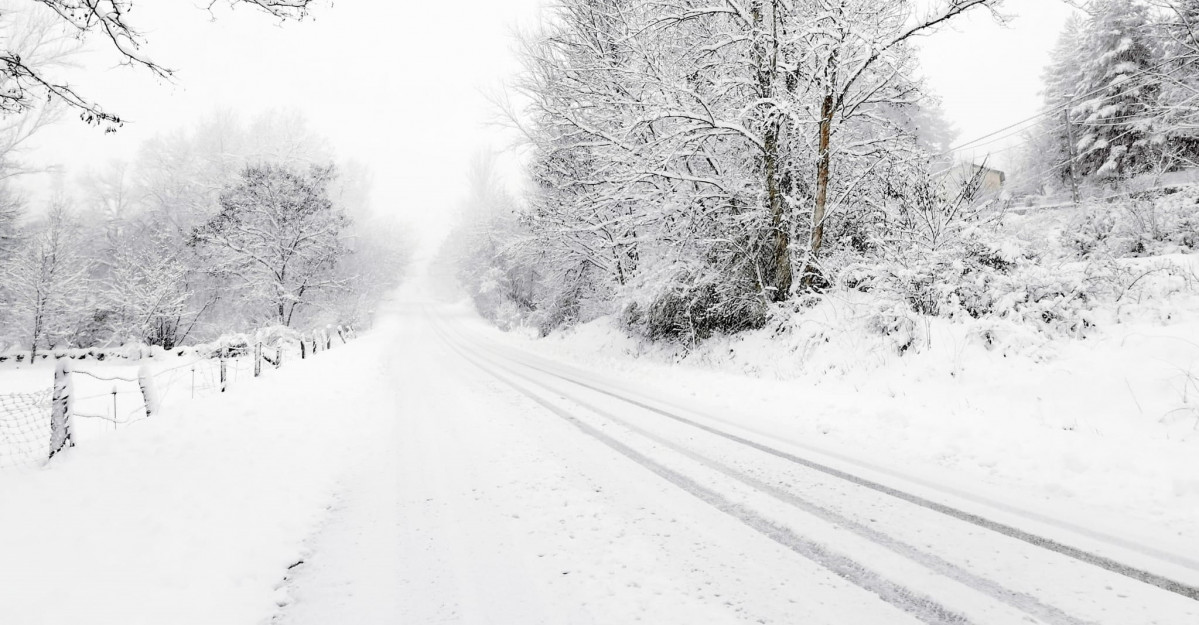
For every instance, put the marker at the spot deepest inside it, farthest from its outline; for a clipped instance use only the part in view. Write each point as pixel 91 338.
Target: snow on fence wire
pixel 34 426
pixel 25 429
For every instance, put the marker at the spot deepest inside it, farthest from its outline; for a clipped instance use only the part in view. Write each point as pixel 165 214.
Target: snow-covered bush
pixel 1142 225
pixel 691 308
pixel 981 275
pixel 1091 230
pixel 898 323
pixel 226 346
pixel 276 335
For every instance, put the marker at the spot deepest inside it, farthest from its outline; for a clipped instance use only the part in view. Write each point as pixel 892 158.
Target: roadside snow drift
pixel 193 516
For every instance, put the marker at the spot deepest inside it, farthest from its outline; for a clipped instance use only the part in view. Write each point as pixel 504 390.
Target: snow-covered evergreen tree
pixel 1053 144
pixel 1177 111
pixel 1115 91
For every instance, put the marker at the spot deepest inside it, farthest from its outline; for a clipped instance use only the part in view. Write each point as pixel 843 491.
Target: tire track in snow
pixel 1021 601
pixel 920 606
pixel 1103 562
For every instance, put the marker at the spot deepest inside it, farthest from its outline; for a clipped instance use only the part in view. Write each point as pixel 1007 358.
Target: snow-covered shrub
pixel 1142 225
pixel 226 346
pixel 1090 230
pixel 273 335
pixel 569 296
pixel 982 276
pixel 1057 299
pixel 689 306
pixel 507 315
pixel 899 324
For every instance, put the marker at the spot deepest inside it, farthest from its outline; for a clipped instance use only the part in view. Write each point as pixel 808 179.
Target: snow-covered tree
pixel 46 280
pixel 688 157
pixel 10 213
pixel 1115 90
pixel 147 289
pixel 1177 110
pixel 147 285
pixel 378 252
pixel 1121 94
pixel 277 236
pixel 482 254
pixel 1052 142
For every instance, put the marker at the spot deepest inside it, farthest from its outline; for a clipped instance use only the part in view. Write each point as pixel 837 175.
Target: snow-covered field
pixel 106 396
pixel 192 516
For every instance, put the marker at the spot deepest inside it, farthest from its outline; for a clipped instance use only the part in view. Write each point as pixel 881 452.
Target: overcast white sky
pixel 399 85
pixel 988 75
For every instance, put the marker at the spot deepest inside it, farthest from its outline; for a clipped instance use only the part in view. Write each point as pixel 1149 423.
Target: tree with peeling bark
pixel 824 65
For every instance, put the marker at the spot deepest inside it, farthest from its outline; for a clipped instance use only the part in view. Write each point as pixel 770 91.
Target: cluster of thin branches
pixel 28 77
pixel 697 161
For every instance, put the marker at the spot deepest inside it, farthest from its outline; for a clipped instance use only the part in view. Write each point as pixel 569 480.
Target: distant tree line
pixel 225 228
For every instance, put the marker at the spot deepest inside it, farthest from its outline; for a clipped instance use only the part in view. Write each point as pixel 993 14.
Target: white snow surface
pixel 1102 432
pixel 404 477
pixel 192 516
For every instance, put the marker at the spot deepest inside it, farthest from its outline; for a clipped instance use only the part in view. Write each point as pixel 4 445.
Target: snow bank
pixel 1103 430
pixel 195 515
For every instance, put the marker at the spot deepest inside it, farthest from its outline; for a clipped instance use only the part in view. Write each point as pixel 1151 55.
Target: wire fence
pixel 25 429
pixel 36 425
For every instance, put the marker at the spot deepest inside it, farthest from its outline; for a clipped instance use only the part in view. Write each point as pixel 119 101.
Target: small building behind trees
pixel 979 181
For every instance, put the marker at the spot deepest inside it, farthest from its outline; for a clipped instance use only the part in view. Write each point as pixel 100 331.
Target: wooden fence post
pixel 303 349
pixel 146 381
pixel 278 355
pixel 257 359
pixel 60 409
pixel 222 374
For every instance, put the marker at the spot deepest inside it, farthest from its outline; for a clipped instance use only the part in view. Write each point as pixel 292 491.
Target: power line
pixel 1061 107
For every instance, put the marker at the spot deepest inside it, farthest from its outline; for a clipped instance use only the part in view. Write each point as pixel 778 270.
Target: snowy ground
pixel 536 498
pixel 440 471
pixel 192 516
pixel 107 397
pixel 1103 431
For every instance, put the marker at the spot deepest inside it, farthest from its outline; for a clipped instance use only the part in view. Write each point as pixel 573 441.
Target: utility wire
pixel 1061 107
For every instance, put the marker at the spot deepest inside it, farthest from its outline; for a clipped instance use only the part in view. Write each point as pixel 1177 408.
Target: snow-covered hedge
pixel 233 344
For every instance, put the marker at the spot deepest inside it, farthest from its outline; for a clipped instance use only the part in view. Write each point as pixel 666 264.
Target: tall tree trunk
pixel 33 345
pixel 824 163
pixel 38 317
pixel 781 258
pixel 765 57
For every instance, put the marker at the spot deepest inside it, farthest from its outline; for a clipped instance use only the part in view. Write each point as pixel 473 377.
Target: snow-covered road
pixel 436 471
pixel 509 488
